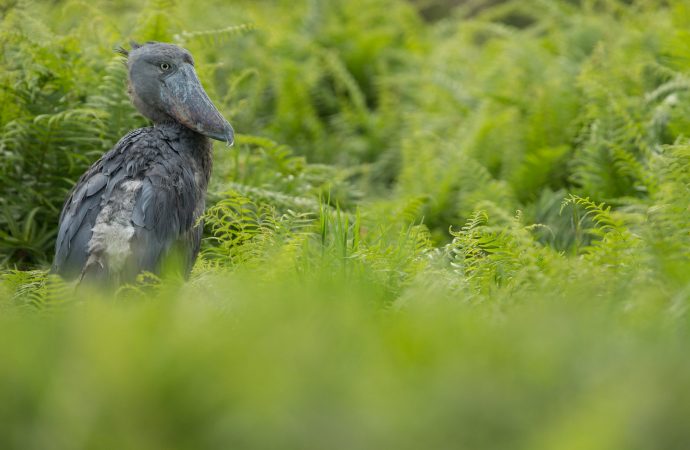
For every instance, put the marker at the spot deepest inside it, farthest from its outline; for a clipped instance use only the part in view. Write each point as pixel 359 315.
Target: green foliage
pixel 465 232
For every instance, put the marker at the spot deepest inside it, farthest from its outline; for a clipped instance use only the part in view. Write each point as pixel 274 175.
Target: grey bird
pixel 142 201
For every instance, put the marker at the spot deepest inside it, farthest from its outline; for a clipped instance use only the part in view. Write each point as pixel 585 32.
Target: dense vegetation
pixel 441 227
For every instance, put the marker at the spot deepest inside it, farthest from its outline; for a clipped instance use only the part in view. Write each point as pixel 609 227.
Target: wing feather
pixel 166 206
pixel 164 217
pixel 83 205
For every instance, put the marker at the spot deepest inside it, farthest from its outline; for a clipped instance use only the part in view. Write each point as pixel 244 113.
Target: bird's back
pixel 133 206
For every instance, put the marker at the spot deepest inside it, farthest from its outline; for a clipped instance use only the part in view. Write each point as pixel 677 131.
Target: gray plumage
pixel 142 201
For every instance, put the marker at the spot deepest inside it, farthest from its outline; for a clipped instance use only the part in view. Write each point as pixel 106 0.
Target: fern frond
pixel 214 38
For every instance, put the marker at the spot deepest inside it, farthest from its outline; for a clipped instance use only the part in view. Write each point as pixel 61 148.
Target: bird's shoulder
pixel 143 143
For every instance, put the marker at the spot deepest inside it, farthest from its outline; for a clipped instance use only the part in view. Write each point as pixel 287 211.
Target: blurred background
pixel 444 224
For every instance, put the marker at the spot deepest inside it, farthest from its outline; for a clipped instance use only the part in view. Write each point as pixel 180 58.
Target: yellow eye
pixel 165 66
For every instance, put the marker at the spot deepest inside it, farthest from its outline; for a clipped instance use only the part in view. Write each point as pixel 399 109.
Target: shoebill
pixel 142 201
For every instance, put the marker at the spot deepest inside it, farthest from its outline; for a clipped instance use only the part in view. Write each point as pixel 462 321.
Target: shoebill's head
pixel 164 87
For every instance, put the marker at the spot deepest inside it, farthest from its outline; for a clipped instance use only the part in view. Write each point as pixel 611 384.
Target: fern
pixel 213 37
pixel 496 256
pixel 36 290
pixel 600 214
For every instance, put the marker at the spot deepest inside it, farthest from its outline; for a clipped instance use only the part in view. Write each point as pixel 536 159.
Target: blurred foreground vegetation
pixel 445 224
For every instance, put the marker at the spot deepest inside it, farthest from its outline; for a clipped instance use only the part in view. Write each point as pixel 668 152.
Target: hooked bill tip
pixel 230 136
